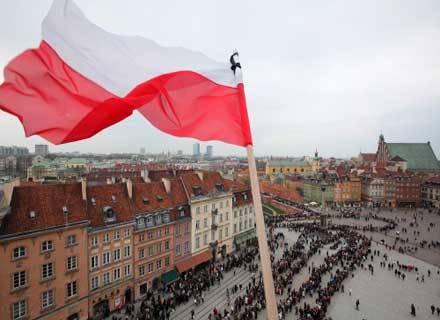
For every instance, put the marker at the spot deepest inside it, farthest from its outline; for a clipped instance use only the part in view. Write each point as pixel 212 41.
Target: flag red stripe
pixel 54 101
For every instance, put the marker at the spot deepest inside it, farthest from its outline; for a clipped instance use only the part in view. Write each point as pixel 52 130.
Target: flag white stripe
pixel 120 63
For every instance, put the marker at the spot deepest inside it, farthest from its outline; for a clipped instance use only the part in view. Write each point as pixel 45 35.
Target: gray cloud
pixel 325 74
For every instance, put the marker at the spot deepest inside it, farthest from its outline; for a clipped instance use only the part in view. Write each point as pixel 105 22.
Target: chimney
pixel 200 174
pixel 84 188
pixel 129 188
pixel 144 175
pixel 167 184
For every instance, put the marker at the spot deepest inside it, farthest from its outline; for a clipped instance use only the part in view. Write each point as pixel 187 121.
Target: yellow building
pixel 288 166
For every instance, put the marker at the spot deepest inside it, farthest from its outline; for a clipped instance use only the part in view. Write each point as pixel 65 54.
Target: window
pixel 95 283
pixel 220 234
pixel 106 258
pixel 47 299
pixel 150 236
pixel 141 237
pixel 186 246
pixel 226 232
pixel 47 246
pixel 205 239
pixel 235 228
pixel 71 289
pixel 167 245
pixel 167 231
pixel 245 224
pixel 178 250
pixel 198 210
pixel 197 224
pixel 19 280
pixel 127 251
pixel 212 235
pixel 167 261
pixel 177 229
pixel 127 233
pixel 159 232
pixel 227 216
pixel 117 255
pixel 159 248
pixel 240 226
pixel 72 263
pixel 117 236
pixel 47 271
pixel 150 267
pixel 106 238
pixel 205 208
pixel 94 262
pixel 213 206
pixel 141 270
pixel 106 278
pixel 151 251
pixel 245 210
pixel 241 212
pixel 235 214
pixel 197 242
pixel 94 241
pixel 71 240
pixel 187 227
pixel 19 252
pixel 117 274
pixel 19 309
pixel 127 270
pixel 250 223
pixel 159 264
pixel 141 253
pixel 227 203
pixel 221 204
pixel 205 222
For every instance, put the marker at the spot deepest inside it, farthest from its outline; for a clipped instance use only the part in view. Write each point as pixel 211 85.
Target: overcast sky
pixel 322 74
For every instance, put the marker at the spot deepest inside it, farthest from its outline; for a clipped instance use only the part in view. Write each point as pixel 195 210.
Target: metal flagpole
pixel 269 289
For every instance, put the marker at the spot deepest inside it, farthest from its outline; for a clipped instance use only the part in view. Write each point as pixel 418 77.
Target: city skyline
pixel 322 85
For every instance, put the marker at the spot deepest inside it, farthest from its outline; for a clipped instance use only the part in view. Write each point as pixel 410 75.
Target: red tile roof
pixel 103 197
pixel 208 184
pixel 47 202
pixel 151 191
pixel 369 157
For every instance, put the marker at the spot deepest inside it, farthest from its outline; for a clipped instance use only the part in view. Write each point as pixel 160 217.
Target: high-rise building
pixel 13 151
pixel 209 151
pixel 196 149
pixel 41 149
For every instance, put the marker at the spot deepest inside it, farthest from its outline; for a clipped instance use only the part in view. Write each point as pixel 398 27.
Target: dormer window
pixel 157 219
pixel 234 199
pixel 181 212
pixel 150 221
pixel 245 196
pixel 93 201
pixel 159 198
pixel 145 200
pixel 65 211
pixel 32 215
pixel 109 214
pixel 197 190
pixel 220 187
pixel 113 198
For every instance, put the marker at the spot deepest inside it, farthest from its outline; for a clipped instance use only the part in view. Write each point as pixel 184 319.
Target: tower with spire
pixel 316 163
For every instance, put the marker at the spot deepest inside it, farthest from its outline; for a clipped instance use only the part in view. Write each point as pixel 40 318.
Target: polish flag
pixel 83 79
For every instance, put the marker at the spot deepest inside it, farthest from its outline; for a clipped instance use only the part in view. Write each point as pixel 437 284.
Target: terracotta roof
pixel 208 184
pixel 47 202
pixel 194 261
pixel 151 196
pixel 368 156
pixel 102 197
pixel 435 179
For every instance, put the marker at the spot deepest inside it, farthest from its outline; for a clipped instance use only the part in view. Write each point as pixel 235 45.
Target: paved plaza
pixel 382 295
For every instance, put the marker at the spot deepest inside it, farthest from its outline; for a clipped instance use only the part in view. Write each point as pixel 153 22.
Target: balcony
pixel 214 211
pixel 214 226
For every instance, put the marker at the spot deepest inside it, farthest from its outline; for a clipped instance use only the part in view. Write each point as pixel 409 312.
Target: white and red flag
pixel 83 79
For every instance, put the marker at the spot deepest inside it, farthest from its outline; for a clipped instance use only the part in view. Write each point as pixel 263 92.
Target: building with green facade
pixel 318 190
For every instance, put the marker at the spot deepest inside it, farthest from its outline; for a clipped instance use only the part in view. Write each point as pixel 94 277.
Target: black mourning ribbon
pixel 234 65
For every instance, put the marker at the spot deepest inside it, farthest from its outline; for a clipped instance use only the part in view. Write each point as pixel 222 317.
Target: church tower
pixel 316 163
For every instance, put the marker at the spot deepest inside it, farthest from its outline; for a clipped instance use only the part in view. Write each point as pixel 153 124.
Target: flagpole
pixel 266 269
